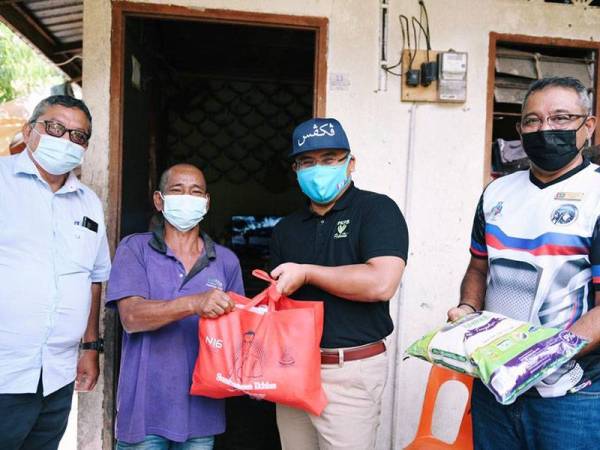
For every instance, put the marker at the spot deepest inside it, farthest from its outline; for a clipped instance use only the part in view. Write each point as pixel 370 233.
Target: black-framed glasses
pixel 57 129
pixel 307 163
pixel 561 121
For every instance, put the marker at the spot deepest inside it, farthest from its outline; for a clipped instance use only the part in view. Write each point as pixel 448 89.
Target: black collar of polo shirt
pixel 564 176
pixel 158 243
pixel 342 203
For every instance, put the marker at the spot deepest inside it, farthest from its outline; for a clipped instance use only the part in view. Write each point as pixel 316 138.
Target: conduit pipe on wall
pixel 397 359
pixel 409 159
pixel 383 37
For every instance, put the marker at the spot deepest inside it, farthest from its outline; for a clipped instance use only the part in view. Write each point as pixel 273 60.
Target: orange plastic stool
pixel 425 440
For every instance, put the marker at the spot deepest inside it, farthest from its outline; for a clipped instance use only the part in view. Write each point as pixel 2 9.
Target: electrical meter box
pixel 452 76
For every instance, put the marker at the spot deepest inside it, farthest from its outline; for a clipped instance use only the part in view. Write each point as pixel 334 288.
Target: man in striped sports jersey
pixel 535 256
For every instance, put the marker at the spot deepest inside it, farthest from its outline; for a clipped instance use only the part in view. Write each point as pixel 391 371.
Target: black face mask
pixel 551 150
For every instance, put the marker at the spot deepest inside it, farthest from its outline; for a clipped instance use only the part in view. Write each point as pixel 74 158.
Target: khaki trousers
pixel 350 419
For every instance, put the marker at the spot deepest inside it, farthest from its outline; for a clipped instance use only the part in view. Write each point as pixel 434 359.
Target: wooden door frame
pixel 496 38
pixel 120 11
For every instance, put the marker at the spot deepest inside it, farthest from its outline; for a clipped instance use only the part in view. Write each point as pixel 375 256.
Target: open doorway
pixel 224 94
pixel 226 98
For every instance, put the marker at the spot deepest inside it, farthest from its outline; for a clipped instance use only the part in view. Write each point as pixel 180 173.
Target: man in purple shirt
pixel 161 283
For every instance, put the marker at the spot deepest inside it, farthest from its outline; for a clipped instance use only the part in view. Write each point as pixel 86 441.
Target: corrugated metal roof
pixel 55 27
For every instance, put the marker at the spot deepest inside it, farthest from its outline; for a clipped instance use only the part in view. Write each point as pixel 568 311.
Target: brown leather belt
pixel 341 355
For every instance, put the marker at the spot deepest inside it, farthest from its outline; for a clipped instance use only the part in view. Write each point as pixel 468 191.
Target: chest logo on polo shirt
pixel 564 214
pixel 496 211
pixel 341 229
pixel 214 283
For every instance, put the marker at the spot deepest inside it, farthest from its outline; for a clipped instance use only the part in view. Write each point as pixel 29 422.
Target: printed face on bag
pixel 183 198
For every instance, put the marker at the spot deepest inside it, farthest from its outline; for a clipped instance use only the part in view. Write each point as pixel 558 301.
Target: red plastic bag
pixel 268 347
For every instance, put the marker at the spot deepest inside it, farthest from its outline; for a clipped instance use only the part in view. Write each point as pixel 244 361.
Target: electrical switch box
pixel 442 76
pixel 452 76
pixel 414 87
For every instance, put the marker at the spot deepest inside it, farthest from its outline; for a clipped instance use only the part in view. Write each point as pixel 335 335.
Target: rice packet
pixel 509 356
pixel 444 346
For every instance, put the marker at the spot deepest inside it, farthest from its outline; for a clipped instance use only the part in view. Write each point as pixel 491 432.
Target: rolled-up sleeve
pixel 101 270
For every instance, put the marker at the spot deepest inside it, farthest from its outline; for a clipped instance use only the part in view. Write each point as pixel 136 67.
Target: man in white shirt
pixel 53 258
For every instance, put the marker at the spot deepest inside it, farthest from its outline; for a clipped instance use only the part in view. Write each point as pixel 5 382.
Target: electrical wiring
pixel 404 26
pixel 72 58
pixel 423 13
pixel 414 20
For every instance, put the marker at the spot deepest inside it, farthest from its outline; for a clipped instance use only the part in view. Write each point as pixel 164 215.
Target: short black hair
pixel 63 100
pixel 584 93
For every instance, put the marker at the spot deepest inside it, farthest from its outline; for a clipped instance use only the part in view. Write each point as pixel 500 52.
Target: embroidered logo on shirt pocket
pixel 214 283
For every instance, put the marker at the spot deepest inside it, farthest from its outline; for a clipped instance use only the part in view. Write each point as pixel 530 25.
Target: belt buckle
pixel 340 357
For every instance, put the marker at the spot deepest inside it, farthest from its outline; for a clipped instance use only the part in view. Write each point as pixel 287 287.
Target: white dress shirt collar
pixel 24 165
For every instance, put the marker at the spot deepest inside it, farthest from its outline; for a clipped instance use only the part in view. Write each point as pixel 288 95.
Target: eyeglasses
pixel 327 161
pixel 563 121
pixel 57 129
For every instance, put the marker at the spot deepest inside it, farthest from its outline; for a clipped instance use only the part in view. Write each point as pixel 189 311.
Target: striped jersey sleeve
pixel 595 255
pixel 478 248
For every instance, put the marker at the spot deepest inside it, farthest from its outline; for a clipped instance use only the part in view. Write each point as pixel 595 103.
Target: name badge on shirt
pixel 88 223
pixel 572 196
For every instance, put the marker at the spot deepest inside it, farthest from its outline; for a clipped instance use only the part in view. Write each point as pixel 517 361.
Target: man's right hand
pixel 212 304
pixel 457 312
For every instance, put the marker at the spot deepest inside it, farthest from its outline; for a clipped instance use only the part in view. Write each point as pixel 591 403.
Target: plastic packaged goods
pixel 509 356
pixel 444 347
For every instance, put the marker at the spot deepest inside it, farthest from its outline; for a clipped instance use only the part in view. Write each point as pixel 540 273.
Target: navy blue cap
pixel 318 134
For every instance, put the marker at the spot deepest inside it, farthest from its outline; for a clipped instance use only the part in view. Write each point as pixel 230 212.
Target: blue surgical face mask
pixel 184 212
pixel 322 184
pixel 57 156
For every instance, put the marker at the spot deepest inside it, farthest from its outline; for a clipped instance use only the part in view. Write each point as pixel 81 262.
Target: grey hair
pixel 61 100
pixel 585 97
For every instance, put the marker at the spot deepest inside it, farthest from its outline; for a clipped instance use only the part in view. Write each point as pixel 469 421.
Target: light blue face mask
pixel 184 212
pixel 57 156
pixel 322 184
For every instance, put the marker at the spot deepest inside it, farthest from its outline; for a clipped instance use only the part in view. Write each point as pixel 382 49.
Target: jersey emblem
pixel 564 214
pixel 214 283
pixel 496 210
pixel 569 196
pixel 342 229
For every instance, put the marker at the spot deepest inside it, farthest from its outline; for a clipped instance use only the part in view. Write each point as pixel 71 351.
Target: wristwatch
pixel 93 345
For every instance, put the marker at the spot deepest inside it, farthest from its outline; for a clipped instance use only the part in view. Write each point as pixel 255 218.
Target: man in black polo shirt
pixel 348 247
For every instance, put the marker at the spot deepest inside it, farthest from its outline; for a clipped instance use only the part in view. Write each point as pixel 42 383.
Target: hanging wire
pixel 412 51
pixel 404 26
pixel 423 14
pixel 414 20
pixel 72 58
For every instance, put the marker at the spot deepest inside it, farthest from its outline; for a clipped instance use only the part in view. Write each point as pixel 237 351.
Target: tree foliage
pixel 22 69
